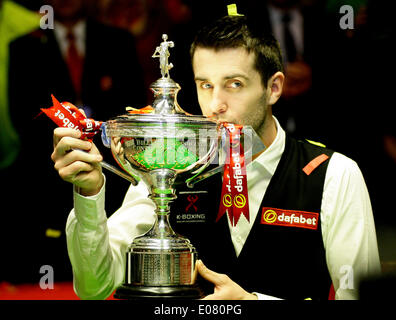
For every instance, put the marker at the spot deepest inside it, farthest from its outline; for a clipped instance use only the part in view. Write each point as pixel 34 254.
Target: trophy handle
pixel 207 159
pixel 118 172
pixel 199 177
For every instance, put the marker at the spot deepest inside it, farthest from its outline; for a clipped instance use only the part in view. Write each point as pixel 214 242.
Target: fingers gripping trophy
pixel 155 147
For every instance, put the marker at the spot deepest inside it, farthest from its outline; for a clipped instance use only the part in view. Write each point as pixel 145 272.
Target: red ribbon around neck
pixel 234 193
pixel 68 115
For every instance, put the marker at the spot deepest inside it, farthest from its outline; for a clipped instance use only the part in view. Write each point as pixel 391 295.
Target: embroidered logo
pixel 192 199
pixel 290 218
pixel 191 207
pixel 269 216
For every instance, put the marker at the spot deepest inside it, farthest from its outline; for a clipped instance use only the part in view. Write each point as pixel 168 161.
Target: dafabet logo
pixel 290 218
pixel 239 200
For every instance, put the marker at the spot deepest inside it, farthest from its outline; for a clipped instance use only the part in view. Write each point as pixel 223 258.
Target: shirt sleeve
pixel 96 244
pixel 348 227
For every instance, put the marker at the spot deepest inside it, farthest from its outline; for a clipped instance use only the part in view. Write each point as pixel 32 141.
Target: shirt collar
pixel 79 31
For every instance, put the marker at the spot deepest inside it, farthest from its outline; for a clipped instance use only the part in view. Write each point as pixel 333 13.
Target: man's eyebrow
pixel 199 79
pixel 236 75
pixel 231 76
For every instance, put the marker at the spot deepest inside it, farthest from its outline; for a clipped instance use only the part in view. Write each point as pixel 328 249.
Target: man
pixel 323 233
pixel 86 63
pixel 81 61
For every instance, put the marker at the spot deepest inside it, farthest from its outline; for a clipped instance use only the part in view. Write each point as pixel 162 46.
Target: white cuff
pixel 90 210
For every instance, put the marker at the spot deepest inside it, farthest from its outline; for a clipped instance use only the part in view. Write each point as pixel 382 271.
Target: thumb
pixel 209 275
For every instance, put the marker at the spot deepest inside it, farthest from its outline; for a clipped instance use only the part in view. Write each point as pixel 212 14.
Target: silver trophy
pixel 155 147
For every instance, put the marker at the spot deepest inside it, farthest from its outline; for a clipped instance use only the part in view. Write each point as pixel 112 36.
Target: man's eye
pixel 235 84
pixel 206 85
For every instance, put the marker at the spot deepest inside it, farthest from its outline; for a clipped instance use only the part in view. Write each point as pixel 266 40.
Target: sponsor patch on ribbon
pixel 290 218
pixel 234 193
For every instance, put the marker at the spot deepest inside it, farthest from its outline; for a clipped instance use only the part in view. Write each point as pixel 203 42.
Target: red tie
pixel 75 63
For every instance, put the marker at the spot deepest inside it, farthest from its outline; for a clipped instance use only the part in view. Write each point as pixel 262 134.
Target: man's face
pixel 229 88
pixel 68 9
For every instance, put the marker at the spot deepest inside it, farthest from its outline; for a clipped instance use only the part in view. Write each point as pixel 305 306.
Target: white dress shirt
pixel 97 245
pixel 79 32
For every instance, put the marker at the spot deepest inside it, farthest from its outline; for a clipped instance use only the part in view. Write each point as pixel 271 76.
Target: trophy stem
pixel 160 264
pixel 162 193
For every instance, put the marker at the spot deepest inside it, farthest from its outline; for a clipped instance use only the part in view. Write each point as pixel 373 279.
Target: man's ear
pixel 275 87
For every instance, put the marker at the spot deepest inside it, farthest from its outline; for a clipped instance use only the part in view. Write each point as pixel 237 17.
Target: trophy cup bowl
pixel 155 148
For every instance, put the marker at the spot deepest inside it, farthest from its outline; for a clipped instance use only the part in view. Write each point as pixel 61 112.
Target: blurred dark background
pixel 339 92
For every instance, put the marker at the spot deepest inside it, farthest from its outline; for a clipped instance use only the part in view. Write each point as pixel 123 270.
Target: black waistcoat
pixel 283 261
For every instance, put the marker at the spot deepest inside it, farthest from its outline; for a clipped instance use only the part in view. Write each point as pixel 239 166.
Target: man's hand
pixel 77 161
pixel 225 288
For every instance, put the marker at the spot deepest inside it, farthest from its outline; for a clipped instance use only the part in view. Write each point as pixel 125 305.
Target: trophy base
pixel 130 292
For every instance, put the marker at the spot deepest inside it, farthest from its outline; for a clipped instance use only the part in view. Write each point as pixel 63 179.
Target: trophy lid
pixel 165 109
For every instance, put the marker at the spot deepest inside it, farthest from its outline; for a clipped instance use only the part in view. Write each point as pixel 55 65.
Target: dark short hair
pixel 238 31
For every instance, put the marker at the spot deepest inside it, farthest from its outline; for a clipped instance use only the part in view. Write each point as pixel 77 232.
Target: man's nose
pixel 218 103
